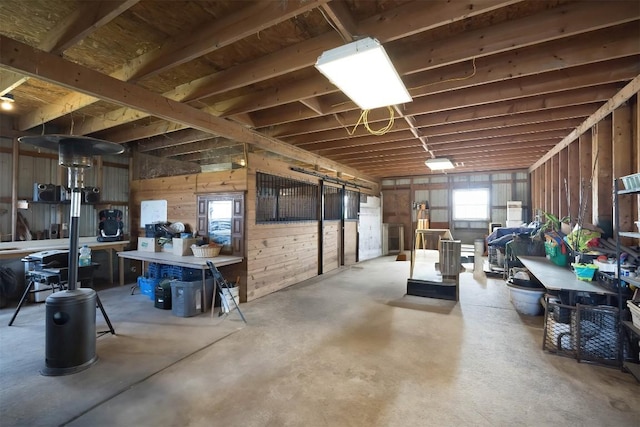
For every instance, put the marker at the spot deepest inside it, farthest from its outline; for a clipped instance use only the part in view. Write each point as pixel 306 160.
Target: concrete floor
pixel 344 349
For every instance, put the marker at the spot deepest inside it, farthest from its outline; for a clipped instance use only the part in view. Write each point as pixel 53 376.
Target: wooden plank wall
pixel 331 246
pixel 181 192
pixel 396 209
pixel 350 242
pixel 278 255
pixel 611 149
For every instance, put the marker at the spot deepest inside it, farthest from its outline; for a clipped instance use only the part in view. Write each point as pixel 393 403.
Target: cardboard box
pixel 149 244
pixel 182 247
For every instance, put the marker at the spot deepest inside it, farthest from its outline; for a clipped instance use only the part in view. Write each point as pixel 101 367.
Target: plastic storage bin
pixel 186 297
pixel 584 271
pixel 147 286
pixel 555 255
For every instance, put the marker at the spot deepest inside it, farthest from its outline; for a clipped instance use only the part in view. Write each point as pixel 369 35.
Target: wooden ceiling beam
pixel 617 70
pixel 362 141
pixel 222 32
pixel 305 54
pixel 555 23
pixel 533 153
pixel 436 143
pixel 512 132
pixel 133 114
pixel 413 161
pixel 298 56
pixel 196 147
pixel 70 30
pixel 391 155
pixel 221 155
pixel 526 122
pixel 10 80
pixel 565 98
pixel 560 105
pixel 606 44
pixel 390 150
pixel 27 60
pixel 610 43
pixel 556 126
pixel 631 89
pixel 83 21
pixel 340 18
pixel 125 134
pixel 465 117
pixel 313 104
pixel 419 169
pixel 178 138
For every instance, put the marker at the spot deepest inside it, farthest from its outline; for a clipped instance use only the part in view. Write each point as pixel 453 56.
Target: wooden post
pixel 622 161
pixel 602 172
pixel 584 155
pixel 573 180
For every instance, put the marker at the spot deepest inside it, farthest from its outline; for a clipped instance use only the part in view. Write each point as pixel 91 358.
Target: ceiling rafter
pixel 30 61
pixel 194 44
pixel 488 78
pixel 74 27
pixel 296 57
pixel 554 55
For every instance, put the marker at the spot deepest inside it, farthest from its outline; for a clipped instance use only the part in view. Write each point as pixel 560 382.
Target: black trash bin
pixel 163 295
pixel 70 331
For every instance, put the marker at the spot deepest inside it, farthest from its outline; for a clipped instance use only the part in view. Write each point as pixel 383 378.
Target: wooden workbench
pixel 17 250
pixel 168 258
pixel 556 278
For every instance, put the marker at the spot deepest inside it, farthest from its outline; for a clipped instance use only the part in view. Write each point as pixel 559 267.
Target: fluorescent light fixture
pixel 6 102
pixel 439 164
pixel 364 72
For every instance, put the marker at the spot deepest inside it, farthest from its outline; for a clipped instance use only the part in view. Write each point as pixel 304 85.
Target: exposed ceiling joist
pixel 22 58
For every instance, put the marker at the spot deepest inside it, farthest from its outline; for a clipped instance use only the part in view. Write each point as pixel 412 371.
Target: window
pixel 284 200
pixel 471 205
pixel 332 203
pixel 351 204
pixel 221 219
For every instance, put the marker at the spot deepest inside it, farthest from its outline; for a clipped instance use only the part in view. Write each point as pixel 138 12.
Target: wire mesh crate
pixel 584 332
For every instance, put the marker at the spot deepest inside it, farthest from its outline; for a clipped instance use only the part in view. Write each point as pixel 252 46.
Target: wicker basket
pixel 206 251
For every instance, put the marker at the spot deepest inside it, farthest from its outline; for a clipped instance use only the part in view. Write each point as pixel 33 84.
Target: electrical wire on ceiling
pixel 364 119
pixel 364 116
pixel 332 25
pixel 453 79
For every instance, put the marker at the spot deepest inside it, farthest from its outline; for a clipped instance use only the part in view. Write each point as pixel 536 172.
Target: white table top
pixel 22 248
pixel 554 277
pixel 189 261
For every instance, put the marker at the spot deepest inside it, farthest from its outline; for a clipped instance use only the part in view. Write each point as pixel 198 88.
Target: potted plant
pixel 551 233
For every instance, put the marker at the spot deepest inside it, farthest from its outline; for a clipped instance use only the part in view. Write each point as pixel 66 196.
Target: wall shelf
pixel 630 366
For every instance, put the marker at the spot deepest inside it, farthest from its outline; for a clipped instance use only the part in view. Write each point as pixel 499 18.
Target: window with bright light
pixel 471 205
